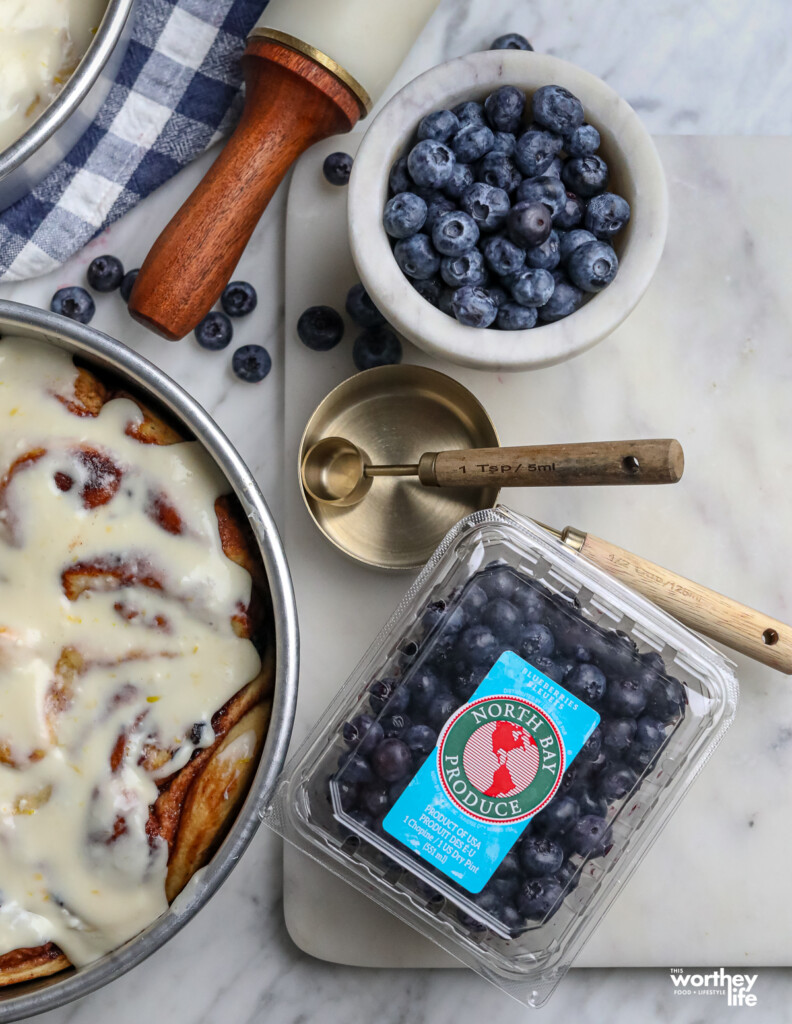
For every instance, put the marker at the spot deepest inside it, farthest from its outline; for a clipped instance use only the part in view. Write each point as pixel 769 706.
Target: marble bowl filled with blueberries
pixel 507 210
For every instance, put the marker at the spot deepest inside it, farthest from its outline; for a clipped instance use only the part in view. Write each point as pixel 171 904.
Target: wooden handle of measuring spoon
pixel 554 465
pixel 291 102
pixel 730 623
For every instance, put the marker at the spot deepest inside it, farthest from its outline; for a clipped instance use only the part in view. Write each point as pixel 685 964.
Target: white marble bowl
pixel 636 174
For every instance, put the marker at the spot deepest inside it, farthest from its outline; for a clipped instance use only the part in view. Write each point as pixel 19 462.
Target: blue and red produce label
pixel 499 760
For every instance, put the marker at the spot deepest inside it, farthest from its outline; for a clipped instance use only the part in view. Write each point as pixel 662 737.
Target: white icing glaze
pixel 63 877
pixel 41 43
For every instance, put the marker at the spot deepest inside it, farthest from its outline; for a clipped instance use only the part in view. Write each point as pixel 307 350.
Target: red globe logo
pixel 501 759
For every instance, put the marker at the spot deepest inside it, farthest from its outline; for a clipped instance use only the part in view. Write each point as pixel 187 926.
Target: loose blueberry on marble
pixel 75 303
pixel 376 346
pixel 214 332
pixel 404 215
pixel 128 283
pixel 439 125
pixel 592 266
pixel 431 163
pixel 361 309
pixel 105 273
pixel 473 307
pixel 337 167
pixel 320 328
pixel 239 298
pixel 504 108
pixel 251 363
pixel 416 256
pixel 455 233
pixel 511 41
pixel 533 287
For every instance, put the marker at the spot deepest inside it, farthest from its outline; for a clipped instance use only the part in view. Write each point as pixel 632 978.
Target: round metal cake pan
pixel 395 414
pixel 49 138
pixel 97 349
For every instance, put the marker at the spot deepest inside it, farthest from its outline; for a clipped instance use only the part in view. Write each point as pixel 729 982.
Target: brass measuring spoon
pixel 337 472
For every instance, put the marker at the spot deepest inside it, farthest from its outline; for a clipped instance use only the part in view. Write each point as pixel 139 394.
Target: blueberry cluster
pixel 502 225
pixel 321 328
pixel 105 274
pixel 440 666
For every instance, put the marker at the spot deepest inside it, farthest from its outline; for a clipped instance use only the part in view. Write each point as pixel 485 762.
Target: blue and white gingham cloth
pixel 176 93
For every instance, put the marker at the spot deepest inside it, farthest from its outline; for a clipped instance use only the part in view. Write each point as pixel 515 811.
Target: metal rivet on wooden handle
pixel 730 623
pixel 653 461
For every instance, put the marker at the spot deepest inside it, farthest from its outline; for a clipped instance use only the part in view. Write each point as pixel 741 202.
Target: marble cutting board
pixel 706 357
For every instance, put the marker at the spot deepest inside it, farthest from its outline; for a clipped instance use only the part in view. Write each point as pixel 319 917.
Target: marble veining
pixel 722 66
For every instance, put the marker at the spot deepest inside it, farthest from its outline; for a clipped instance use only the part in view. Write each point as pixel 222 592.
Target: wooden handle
pixel 555 465
pixel 720 618
pixel 291 103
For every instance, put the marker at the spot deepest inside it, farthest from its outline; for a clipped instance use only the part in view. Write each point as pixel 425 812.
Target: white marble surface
pixel 717 67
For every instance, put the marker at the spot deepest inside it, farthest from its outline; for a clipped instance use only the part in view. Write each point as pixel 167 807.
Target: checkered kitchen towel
pixel 176 92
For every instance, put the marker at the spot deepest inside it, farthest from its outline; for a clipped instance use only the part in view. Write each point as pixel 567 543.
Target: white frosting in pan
pixel 154 656
pixel 41 43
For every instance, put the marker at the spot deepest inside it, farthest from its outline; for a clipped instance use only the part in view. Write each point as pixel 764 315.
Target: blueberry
pixel 585 175
pixel 539 898
pixel 487 206
pixel 566 875
pixel 617 734
pixel 361 309
pixel 478 645
pixel 557 109
pixel 75 303
pixel 505 143
pixel 498 170
pixel 503 257
pixel 337 167
pixel 239 298
pixel 362 733
pixel 558 817
pixel 477 595
pixel 416 256
pixel 465 682
pixel 545 256
pixel 591 805
pixel 430 288
pixel 214 331
pixel 504 108
pixel 498 295
pixel 626 697
pixel 454 233
pixel 423 684
pixel 497 581
pixel 320 328
pixel 387 692
pixel 392 760
pixel 540 856
pixel 544 189
pixel 511 41
pixel 505 889
pixel 649 732
pixel 606 215
pixel 430 163
pixel 251 363
pixel 471 142
pixel 535 151
pixel 639 757
pixel 582 141
pixel 375 800
pixel 105 273
pixel 552 669
pixel 503 619
pixel 586 682
pixel 456 620
pixel 590 750
pixel 592 266
pixel 461 179
pixel 470 113
pixel 399 179
pixel 465 270
pixel 537 642
pixel 666 699
pixel 404 214
pixel 446 303
pixel 571 240
pixel 572 213
pixel 348 793
pixel 565 300
pixel 616 782
pixel 440 126
pixel 396 789
pixel 436 206
pixel 509 867
pixel 395 725
pixel 473 306
pixel 529 601
pixel 376 346
pixel 441 709
pixel 420 739
pixel 355 768
pixel 128 283
pixel 555 168
pixel 529 224
pixel 590 835
pixel 532 287
pixel 653 660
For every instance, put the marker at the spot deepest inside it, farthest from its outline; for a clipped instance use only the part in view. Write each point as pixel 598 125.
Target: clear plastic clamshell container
pixel 507 750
